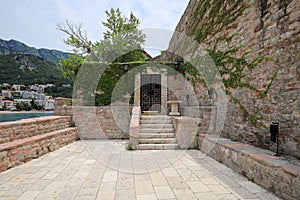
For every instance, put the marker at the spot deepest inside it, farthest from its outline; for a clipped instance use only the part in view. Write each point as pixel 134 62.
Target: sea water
pixel 5 117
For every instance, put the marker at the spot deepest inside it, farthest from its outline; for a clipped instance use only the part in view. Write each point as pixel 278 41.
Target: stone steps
pixel 154 121
pixel 156 126
pixel 157 146
pixel 158 141
pixel 157 130
pixel 157 133
pixel 156 117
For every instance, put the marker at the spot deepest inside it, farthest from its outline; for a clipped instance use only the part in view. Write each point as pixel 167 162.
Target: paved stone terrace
pixel 76 172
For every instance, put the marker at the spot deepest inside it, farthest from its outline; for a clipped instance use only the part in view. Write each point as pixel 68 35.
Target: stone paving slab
pixel 106 170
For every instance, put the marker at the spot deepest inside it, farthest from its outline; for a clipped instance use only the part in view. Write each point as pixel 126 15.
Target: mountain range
pixel 22 64
pixel 14 46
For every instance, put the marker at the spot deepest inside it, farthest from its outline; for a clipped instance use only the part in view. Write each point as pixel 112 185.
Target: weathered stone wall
pixel 192 105
pixel 63 106
pixel 23 140
pixel 23 150
pixel 279 175
pixel 268 28
pixel 101 122
pixel 97 122
pixel 15 130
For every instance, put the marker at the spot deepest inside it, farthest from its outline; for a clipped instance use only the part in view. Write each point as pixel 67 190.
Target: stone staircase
pixel 157 133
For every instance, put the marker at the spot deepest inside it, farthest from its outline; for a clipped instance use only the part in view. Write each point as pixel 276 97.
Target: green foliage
pixel 14 46
pixel 18 68
pixel 129 147
pixel 234 70
pixel 231 67
pixel 121 42
pixel 59 91
pixel 71 65
pixel 117 24
pixel 16 95
pixel 122 39
pixel 212 16
pixel 23 106
pixel 235 74
pixel 107 90
pixel 110 78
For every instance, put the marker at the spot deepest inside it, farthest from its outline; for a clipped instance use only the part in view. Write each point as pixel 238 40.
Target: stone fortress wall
pixel 268 28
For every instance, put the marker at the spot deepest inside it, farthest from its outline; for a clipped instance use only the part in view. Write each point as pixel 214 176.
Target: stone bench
pixel 22 150
pixel 278 174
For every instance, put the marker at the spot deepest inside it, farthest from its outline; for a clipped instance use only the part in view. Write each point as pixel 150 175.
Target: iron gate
pixel 151 92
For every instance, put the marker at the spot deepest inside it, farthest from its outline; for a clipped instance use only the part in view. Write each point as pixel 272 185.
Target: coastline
pixel 31 111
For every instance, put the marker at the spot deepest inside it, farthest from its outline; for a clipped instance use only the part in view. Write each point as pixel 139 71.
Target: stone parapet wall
pixel 63 106
pixel 15 130
pixel 102 122
pixel 278 174
pixel 97 122
pixel 23 150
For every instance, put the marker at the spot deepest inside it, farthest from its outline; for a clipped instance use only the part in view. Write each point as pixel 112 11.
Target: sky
pixel 34 22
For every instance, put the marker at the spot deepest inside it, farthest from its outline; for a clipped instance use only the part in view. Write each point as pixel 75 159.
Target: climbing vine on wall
pixel 235 67
pixel 235 72
pixel 212 16
pixel 107 92
pixel 210 19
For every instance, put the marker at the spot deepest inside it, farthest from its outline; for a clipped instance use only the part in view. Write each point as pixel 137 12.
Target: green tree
pixel 121 42
pixel 23 106
pixel 71 65
pixel 122 37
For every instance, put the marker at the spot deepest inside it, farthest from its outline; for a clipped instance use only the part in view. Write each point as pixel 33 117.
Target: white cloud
pixel 34 22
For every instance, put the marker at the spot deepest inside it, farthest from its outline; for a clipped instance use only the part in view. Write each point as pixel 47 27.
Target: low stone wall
pixel 97 122
pixel 101 122
pixel 22 150
pixel 279 175
pixel 10 131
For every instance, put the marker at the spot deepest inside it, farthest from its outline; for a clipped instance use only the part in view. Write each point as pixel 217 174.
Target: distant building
pixel 16 87
pixel 7 93
pixel 9 104
pixel 50 85
pixel 147 56
pixel 27 94
pixel 40 96
pixel 7 85
pixel 28 101
pixel 49 104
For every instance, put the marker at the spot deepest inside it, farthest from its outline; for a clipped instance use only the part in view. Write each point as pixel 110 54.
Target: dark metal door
pixel 151 92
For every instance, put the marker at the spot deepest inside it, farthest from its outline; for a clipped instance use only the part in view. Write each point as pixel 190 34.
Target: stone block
pixel 186 129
